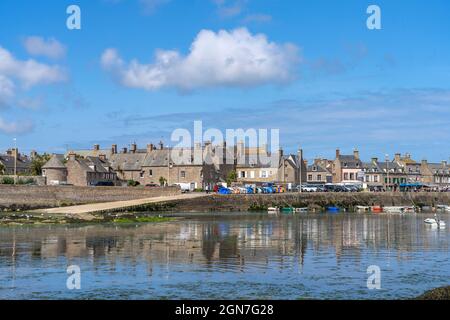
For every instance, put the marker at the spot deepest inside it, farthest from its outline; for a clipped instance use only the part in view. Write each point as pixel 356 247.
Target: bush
pixel 7 180
pixel 132 183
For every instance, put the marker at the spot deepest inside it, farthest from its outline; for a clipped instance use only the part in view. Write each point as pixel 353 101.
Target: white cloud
pixel 28 72
pixel 226 58
pixel 11 127
pixel 39 46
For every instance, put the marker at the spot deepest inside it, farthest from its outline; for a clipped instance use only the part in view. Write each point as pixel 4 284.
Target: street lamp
pixel 387 171
pixel 15 160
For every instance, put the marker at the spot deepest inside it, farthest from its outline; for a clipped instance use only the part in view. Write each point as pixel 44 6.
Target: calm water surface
pixel 230 256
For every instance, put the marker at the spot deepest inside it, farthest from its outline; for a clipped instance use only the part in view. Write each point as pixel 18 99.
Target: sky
pixel 139 69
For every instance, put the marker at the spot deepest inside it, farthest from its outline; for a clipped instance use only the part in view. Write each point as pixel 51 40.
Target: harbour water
pixel 228 256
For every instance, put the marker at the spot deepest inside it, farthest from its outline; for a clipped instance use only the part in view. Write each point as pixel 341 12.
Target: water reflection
pixel 330 252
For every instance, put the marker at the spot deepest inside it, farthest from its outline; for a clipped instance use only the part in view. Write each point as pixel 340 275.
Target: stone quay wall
pixel 13 197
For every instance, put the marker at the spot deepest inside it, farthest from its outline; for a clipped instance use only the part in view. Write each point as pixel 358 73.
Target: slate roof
pixel 23 163
pixel 55 162
pixel 349 162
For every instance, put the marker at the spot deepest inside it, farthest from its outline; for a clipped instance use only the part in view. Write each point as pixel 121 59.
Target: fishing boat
pixel 273 210
pixel 301 210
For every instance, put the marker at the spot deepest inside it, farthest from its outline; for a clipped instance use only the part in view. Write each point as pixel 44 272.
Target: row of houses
pixel 207 165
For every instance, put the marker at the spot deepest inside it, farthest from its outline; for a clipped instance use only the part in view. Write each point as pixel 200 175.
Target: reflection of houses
pixel 346 167
pixel 319 172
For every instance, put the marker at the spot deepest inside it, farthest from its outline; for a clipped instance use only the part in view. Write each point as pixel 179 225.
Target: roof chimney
pixel 338 153
pixel 150 148
pixel 444 163
pixel 424 162
pixel 374 160
pixel 356 154
pixel 96 147
pixel 133 148
pixel 114 149
pixel 72 156
pixel 397 157
pixel 124 150
pixel 33 154
pixel 161 145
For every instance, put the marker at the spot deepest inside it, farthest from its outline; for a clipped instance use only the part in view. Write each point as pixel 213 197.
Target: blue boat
pixel 333 209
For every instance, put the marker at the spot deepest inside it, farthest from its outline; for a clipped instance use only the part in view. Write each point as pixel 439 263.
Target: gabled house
pixel 8 162
pixel 347 168
pixel 319 172
pixel 435 173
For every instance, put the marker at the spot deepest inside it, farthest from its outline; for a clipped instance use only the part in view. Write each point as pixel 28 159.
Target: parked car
pixel 104 184
pixel 152 185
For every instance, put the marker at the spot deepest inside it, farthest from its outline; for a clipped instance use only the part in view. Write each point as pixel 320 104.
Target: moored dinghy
pixel 362 208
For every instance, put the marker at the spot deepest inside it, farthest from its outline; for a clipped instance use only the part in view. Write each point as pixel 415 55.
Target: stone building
pixel 22 165
pixel 319 172
pixel 347 168
pixel 79 171
pixel 389 175
pixel 258 166
pixel 55 171
pixel 435 173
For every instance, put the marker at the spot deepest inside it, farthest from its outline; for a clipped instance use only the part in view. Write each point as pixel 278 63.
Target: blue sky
pixel 330 82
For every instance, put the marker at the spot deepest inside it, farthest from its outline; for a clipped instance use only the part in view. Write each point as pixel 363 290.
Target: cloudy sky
pixel 138 69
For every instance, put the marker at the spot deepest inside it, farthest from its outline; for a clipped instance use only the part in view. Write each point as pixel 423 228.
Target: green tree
pixel 37 163
pixel 232 177
pixel 2 169
pixel 162 181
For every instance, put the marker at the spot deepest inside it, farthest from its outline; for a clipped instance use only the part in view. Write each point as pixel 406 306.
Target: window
pixel 242 174
pixel 150 173
pixel 346 176
pixel 310 177
pixel 263 174
pixel 183 174
pixel 375 178
pixel 352 176
pixel 141 175
pixel 319 177
pixel 252 174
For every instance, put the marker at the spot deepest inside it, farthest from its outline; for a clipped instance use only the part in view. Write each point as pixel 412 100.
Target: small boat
pixel 333 209
pixel 394 209
pixel 287 209
pixel 301 210
pixel 444 208
pixel 362 208
pixel 376 209
pixel 411 209
pixel 273 210
pixel 434 222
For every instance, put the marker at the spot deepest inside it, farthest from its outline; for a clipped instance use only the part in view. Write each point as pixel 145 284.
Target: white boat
pixel 273 210
pixel 409 209
pixel 443 208
pixel 301 209
pixel 434 222
pixel 394 209
pixel 362 208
